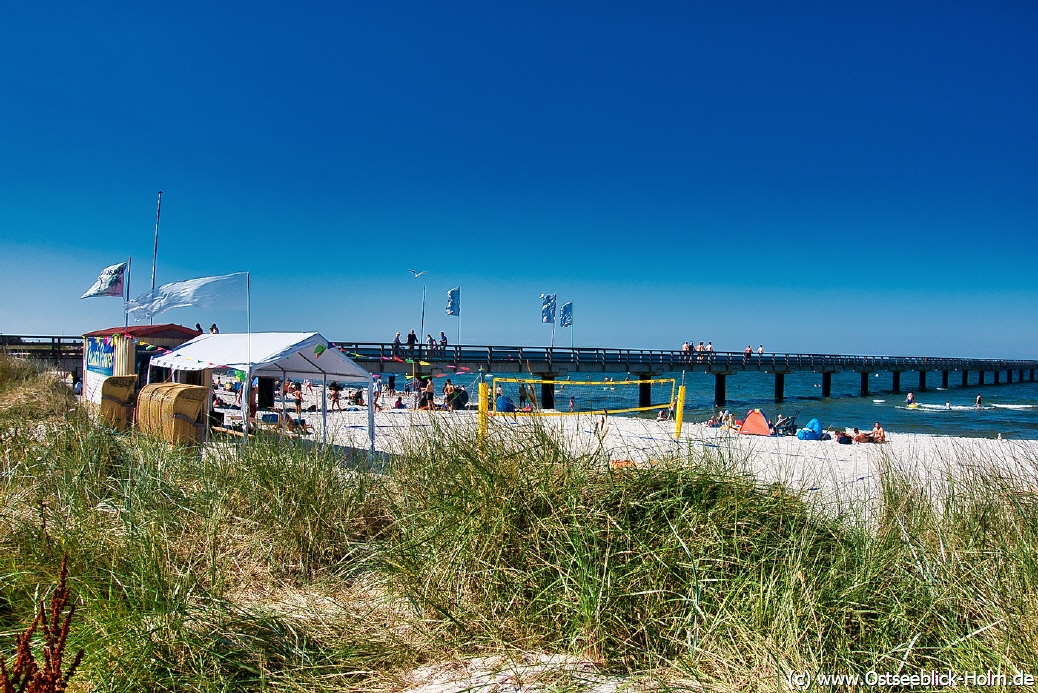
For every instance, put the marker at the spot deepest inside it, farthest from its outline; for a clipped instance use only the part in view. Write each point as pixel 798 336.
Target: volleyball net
pixel 538 397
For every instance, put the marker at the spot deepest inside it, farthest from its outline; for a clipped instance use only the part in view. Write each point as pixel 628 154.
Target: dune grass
pixel 285 567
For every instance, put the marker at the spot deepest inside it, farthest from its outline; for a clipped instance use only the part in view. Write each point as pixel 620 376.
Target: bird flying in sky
pixel 417 274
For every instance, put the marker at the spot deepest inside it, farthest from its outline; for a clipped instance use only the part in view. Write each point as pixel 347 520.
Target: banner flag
pixel 109 282
pixel 454 301
pixel 318 350
pixel 204 292
pixel 548 308
pixel 566 314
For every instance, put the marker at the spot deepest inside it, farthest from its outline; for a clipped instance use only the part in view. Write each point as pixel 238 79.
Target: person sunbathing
pixel 298 426
pixel 878 435
pixel 860 437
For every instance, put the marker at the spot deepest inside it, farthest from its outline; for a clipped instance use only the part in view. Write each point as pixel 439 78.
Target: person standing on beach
pixel 297 397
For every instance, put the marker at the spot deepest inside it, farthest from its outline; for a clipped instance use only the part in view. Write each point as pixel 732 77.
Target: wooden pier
pixel 550 363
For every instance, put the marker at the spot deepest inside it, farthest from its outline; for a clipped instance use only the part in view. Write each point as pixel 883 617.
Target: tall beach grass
pixel 285 566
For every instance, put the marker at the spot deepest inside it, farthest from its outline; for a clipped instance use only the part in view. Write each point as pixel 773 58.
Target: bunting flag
pixel 204 292
pixel 566 314
pixel 454 301
pixel 548 308
pixel 109 282
pixel 318 350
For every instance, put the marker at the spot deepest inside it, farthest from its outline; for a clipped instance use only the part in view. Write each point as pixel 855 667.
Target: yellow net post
pixel 484 418
pixel 679 413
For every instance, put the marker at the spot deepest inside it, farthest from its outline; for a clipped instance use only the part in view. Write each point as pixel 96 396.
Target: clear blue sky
pixel 806 175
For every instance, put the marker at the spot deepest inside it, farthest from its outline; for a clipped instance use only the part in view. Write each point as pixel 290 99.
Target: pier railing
pixel 656 360
pixel 55 349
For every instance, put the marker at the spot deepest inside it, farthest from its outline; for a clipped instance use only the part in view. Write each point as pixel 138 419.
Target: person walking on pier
pixel 412 342
pixel 396 346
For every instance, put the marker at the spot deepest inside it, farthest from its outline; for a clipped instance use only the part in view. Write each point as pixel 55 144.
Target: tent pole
pixel 324 409
pixel 246 397
pixel 284 402
pixel 371 415
pixel 209 408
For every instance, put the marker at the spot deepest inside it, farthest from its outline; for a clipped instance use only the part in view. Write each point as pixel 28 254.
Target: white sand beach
pixel 837 471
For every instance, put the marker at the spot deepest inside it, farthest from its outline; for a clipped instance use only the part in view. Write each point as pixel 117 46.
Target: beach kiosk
pixel 270 355
pixel 115 359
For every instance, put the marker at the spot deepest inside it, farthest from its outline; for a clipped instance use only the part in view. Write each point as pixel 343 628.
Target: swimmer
pixel 978 401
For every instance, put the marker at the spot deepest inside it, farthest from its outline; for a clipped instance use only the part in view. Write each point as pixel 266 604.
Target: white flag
pixel 109 282
pixel 204 292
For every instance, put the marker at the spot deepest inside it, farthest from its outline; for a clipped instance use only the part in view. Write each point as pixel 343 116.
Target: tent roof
pixel 273 354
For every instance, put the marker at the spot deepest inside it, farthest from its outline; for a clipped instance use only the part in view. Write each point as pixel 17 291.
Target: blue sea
pixel 1009 410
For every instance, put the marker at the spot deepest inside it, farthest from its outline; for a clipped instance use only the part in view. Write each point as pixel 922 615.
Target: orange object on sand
pixel 755 424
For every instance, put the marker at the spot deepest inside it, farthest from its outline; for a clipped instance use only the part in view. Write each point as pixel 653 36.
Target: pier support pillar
pixel 780 387
pixel 896 386
pixel 922 380
pixel 827 384
pixel 548 392
pixel 864 384
pixel 1021 374
pixel 980 375
pixel 965 378
pixel 1009 376
pixel 997 374
pixel 1032 375
pixel 719 389
pixel 644 394
pixel 944 379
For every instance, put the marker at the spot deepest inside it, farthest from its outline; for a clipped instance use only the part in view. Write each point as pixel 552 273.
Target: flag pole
pixel 247 385
pixel 155 252
pixel 126 294
pixel 421 337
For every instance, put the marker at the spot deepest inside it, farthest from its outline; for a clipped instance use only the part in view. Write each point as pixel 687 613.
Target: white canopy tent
pixel 272 354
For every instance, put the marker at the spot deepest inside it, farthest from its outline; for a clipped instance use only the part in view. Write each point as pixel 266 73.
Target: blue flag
pixel 566 314
pixel 454 301
pixel 548 308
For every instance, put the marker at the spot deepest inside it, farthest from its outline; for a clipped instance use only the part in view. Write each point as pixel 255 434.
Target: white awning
pixel 267 354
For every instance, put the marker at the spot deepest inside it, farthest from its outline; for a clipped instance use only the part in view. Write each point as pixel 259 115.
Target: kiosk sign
pixel 100 355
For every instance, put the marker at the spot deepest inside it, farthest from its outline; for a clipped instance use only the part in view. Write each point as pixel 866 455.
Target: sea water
pixel 1009 410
